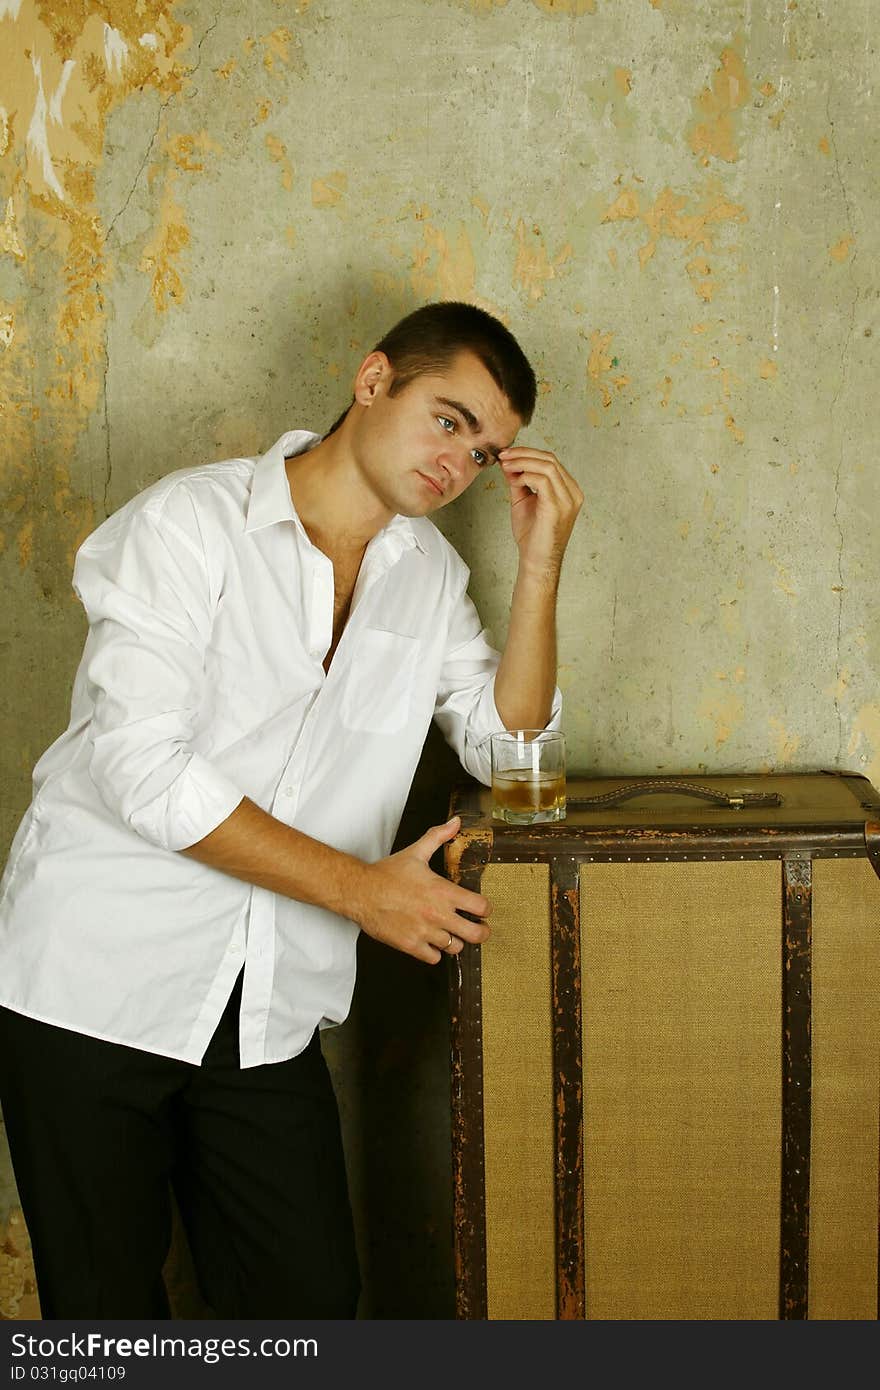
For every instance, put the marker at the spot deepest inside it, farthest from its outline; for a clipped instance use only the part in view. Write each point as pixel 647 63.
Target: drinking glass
pixel 528 776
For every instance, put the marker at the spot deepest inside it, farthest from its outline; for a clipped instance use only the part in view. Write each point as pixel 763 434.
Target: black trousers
pixel 99 1133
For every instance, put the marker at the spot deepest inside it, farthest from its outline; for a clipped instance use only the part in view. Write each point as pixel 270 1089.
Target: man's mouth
pixel 433 483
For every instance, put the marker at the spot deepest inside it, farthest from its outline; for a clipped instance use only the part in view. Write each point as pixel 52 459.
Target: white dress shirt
pixel 210 614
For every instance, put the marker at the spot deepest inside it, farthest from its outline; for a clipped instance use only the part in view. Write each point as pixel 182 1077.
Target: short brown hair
pixel 429 338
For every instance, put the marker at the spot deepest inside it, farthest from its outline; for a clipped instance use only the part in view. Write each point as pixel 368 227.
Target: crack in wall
pixel 162 109
pixel 108 471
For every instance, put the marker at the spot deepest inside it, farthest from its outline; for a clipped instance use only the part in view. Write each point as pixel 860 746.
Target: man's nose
pixel 453 460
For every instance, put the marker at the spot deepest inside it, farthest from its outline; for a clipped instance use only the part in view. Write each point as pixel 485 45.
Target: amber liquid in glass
pixel 523 797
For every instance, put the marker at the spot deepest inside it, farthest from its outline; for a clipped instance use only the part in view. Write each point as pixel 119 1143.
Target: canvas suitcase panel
pixel 666 1092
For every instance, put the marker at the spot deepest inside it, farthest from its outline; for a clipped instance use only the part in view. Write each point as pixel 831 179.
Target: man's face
pixel 420 449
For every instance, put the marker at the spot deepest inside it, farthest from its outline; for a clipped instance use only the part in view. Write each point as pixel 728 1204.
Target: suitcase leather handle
pixel 872 844
pixel 664 785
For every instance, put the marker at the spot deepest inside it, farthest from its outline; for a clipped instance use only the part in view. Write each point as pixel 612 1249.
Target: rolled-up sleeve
pixel 465 710
pixel 143 581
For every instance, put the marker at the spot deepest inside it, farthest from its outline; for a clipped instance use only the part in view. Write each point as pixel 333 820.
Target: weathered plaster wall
pixel 207 214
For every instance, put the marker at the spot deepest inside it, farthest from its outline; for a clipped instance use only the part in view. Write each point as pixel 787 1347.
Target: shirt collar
pixel 270 499
pixel 271 502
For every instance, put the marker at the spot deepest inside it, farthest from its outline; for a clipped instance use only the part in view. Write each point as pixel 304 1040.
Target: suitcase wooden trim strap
pixel 760 826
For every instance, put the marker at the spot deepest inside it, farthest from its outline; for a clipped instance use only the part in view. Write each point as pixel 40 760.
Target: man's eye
pixel 446 423
pixel 479 457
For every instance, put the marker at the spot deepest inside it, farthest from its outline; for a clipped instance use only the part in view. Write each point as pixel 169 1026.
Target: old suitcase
pixel 666 1059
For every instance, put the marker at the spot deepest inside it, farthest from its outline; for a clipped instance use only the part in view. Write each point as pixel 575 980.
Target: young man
pixel 268 642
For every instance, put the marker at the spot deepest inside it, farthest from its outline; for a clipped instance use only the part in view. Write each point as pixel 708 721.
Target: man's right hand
pixel 403 903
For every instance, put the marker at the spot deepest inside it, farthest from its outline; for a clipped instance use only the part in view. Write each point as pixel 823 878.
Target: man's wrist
pixel 539 577
pixel 352 889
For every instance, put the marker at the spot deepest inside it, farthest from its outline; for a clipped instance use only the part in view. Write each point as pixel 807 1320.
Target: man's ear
pixel 373 376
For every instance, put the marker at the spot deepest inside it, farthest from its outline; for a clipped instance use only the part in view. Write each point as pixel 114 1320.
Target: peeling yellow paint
pixel 625 206
pixel 767 89
pixel 841 250
pixel 16 421
pixel 4 130
pixel 443 266
pixel 713 134
pixel 724 376
pixel 665 217
pixel 67 67
pixel 25 541
pixel 623 78
pixel 329 192
pixel 731 425
pixel 533 266
pixel 612 256
pixel 572 7
pixel 767 370
pixel 594 417
pixel 482 208
pixel 9 241
pixel 183 153
pixel 227 69
pixel 263 111
pixel 787 743
pixel 783 578
pixel 159 257
pixel 599 363
pixel 825 145
pixel 7 331
pixel 776 118
pixel 290 235
pixel 278 154
pixel 724 712
pixel 684 529
pixel 865 740
pixel 276 45
pixel 667 391
pixel 186 151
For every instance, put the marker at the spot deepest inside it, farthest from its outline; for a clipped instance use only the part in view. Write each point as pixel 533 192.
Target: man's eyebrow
pixel 471 421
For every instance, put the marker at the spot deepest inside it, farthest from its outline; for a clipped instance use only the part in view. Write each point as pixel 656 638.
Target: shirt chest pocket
pixel 380 682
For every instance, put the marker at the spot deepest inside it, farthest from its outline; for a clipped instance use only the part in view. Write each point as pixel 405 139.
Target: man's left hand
pixel 544 503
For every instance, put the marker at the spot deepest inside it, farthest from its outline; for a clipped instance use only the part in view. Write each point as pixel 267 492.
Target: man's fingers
pixel 467 929
pixel 434 837
pixel 448 944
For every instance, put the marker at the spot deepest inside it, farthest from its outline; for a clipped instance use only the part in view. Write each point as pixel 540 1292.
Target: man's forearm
pixel 526 676
pixel 398 900
pixel 254 846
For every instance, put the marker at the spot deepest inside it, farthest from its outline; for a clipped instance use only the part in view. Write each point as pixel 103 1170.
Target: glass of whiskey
pixel 528 776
